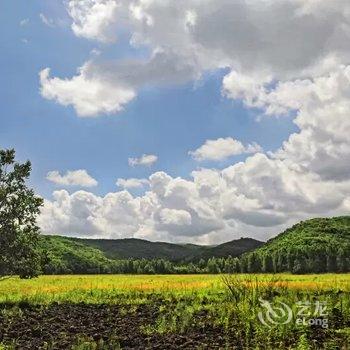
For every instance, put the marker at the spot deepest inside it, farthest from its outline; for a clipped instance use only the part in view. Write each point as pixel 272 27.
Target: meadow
pixel 240 311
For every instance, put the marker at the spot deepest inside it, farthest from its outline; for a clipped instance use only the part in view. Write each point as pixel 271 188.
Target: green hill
pixel 78 255
pixel 232 248
pixel 65 255
pixel 140 249
pixel 316 245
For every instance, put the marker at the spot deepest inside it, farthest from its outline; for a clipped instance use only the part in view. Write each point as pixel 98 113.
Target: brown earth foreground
pixel 62 326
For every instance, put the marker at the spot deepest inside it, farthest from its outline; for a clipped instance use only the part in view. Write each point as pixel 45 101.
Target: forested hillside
pixel 131 248
pixel 63 255
pixel 75 255
pixel 316 245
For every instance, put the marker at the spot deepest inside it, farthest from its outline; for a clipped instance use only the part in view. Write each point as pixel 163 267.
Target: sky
pixel 182 121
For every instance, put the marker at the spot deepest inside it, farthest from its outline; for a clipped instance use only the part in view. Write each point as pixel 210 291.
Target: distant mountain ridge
pixel 313 246
pixel 132 248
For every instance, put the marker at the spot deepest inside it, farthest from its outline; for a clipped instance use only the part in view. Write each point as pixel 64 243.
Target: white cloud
pixel 261 196
pixel 170 210
pixel 84 214
pixel 274 187
pixel 297 66
pixel 105 88
pixel 175 217
pixel 145 160
pixel 24 22
pixel 187 38
pixel 321 105
pixel 72 178
pixel 47 21
pixel 222 148
pixel 87 94
pixel 94 19
pixel 131 183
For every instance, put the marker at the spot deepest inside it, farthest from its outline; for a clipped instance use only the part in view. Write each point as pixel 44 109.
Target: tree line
pixel 250 263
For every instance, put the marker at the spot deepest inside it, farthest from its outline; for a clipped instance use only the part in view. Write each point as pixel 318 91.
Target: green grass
pixel 107 288
pixel 185 302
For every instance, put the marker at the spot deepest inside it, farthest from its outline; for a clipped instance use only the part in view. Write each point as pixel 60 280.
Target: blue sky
pixel 99 91
pixel 167 121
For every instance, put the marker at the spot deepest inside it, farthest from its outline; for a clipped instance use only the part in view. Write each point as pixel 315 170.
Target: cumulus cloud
pixel 175 217
pixel 223 148
pixel 187 38
pixel 296 67
pixel 94 19
pixel 260 195
pixel 84 214
pixel 105 88
pixel 145 160
pixel 72 178
pixel 131 183
pixel 87 94
pixel 321 105
pixel 172 210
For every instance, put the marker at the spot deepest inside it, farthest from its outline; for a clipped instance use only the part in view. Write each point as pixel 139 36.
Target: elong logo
pixel 279 313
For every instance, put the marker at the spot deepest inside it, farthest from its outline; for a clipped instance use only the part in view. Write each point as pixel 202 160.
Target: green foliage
pixel 19 208
pixel 313 246
pixel 131 248
pixel 66 255
pixel 63 256
pixel 233 248
pixel 303 343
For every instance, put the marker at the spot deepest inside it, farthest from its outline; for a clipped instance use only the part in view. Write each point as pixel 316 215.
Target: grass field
pixel 176 311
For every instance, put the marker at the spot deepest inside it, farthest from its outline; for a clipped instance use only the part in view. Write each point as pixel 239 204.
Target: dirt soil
pixel 61 326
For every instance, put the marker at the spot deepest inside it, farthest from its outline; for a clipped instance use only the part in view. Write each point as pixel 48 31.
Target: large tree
pixel 19 207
